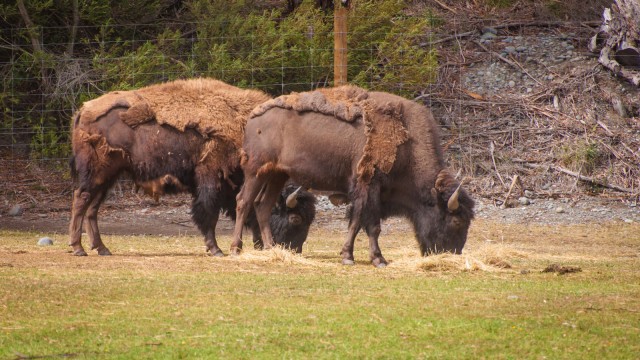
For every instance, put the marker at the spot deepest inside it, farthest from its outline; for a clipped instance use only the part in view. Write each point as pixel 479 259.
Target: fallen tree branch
pixel 580 177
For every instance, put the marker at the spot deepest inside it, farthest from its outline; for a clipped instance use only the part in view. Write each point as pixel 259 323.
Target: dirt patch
pixel 561 269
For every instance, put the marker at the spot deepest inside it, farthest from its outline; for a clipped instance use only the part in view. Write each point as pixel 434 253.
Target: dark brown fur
pixel 319 152
pixel 162 157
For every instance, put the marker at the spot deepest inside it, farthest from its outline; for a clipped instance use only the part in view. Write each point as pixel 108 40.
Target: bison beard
pixel 191 155
pixel 320 152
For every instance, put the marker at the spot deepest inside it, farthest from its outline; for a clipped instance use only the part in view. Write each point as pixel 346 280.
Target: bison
pixel 180 136
pixel 379 151
pixel 291 219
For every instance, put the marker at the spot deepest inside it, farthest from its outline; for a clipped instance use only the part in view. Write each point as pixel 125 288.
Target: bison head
pixel 445 227
pixel 298 205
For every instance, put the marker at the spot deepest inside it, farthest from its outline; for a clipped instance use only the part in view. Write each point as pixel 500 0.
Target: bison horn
pixel 292 199
pixel 453 204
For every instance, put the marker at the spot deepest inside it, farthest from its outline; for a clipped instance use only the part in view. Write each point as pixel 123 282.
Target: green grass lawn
pixel 161 297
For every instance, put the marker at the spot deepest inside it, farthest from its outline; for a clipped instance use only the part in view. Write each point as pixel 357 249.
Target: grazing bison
pixel 181 136
pixel 379 151
pixel 291 218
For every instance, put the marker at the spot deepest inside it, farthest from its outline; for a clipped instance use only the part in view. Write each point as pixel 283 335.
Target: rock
pixel 512 83
pixel 16 210
pixel 560 210
pixel 529 193
pixel 45 241
pixel 510 49
pixel 490 30
pixel 521 49
pixel 488 36
pixel 524 200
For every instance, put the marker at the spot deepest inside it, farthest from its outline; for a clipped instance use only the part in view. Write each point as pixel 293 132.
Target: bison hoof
pixel 79 252
pixel 218 253
pixel 235 251
pixel 379 263
pixel 349 262
pixel 104 252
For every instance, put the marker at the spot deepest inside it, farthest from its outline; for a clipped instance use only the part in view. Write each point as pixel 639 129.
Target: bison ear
pixel 434 195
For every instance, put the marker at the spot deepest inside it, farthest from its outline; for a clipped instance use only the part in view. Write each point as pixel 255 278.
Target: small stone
pixel 45 241
pixel 524 200
pixel 488 36
pixel 529 90
pixel 628 221
pixel 510 49
pixel 508 39
pixel 521 49
pixel 529 193
pixel 512 83
pixel 560 210
pixel 16 210
pixel 490 30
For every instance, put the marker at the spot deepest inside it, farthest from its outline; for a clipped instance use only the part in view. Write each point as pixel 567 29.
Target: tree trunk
pixel 33 33
pixel 618 39
pixel 74 28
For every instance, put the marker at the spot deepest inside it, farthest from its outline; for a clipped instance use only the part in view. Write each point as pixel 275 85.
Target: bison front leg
pixel 375 254
pixel 368 199
pixel 81 201
pixel 86 203
pixel 92 223
pixel 347 248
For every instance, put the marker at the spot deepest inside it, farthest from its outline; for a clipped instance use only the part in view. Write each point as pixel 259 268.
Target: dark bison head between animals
pixel 291 218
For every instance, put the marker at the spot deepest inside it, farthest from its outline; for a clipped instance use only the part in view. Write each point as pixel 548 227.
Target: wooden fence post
pixel 340 43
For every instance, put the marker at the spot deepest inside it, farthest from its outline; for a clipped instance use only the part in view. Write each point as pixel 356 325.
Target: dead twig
pixel 491 149
pixel 513 183
pixel 581 177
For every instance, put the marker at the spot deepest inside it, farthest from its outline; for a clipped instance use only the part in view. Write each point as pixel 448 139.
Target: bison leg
pixel 205 212
pixel 347 248
pixel 370 220
pixel 373 232
pixel 81 201
pixel 91 225
pixel 264 206
pixel 244 201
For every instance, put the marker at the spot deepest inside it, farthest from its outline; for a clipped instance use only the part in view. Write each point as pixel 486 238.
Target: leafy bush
pixel 248 43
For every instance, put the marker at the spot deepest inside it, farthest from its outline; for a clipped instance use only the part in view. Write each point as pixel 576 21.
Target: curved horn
pixel 453 204
pixel 292 199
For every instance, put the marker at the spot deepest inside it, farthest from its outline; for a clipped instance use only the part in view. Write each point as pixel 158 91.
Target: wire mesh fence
pixel 490 87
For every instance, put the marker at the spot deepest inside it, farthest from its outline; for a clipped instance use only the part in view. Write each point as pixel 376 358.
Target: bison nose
pixel 295 219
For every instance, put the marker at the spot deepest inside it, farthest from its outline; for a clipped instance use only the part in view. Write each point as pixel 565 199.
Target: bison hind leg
pixel 205 212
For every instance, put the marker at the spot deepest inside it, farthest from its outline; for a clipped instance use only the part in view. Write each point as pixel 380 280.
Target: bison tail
pixel 72 168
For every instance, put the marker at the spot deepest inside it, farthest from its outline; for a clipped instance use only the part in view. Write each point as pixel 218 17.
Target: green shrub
pixel 583 156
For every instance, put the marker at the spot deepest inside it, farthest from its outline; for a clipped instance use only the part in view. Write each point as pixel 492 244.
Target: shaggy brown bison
pixel 380 151
pixel 181 136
